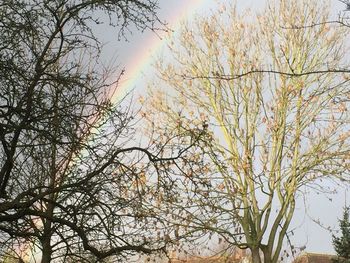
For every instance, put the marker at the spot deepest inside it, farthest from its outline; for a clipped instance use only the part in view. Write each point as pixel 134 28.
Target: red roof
pixel 314 258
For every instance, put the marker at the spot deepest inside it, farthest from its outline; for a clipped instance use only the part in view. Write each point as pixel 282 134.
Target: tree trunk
pixel 267 254
pixel 47 235
pixel 46 250
pixel 255 255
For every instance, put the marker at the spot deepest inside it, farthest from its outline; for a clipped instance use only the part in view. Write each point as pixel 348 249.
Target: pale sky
pixel 307 233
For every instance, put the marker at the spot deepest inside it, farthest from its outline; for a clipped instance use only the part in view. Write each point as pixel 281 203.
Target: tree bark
pixel 255 255
pixel 47 235
pixel 46 250
pixel 267 254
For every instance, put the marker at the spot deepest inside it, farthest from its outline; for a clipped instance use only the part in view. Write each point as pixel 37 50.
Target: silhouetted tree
pixel 74 182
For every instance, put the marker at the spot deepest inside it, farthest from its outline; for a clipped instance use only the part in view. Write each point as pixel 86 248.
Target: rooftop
pixel 314 258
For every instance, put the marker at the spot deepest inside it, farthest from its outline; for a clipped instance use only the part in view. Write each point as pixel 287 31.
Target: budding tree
pixel 276 107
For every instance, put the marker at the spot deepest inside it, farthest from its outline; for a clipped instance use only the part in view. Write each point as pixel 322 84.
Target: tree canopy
pixel 272 90
pixel 71 171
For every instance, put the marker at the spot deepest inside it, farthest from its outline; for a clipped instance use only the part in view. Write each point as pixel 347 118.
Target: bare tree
pixel 72 182
pixel 275 98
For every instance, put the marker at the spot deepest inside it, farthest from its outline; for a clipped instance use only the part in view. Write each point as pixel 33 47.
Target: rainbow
pixel 139 62
pixel 134 68
pixel 142 59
